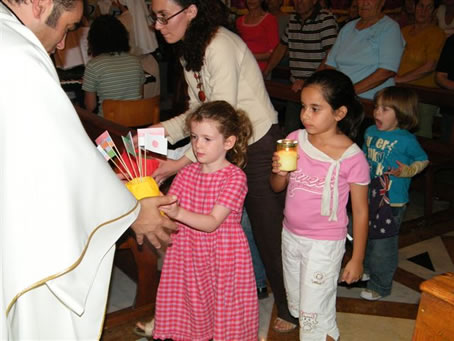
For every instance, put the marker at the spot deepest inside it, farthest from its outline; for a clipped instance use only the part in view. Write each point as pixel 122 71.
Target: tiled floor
pixel 355 327
pixel 424 253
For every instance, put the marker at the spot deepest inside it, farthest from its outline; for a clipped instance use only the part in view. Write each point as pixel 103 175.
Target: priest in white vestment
pixel 61 206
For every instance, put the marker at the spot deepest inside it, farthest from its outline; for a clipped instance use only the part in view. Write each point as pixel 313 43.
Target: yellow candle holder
pixel 288 154
pixel 143 187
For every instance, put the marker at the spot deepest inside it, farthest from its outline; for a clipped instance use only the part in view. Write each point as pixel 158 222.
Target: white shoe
pixel 370 295
pixel 365 277
pixel 144 329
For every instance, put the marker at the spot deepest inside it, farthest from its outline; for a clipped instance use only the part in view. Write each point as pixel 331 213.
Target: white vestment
pixel 61 206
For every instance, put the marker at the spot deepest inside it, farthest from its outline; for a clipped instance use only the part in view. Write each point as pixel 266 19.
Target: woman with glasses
pixel 219 66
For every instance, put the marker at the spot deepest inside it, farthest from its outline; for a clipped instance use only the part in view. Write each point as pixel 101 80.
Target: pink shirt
pixel 261 37
pixel 312 209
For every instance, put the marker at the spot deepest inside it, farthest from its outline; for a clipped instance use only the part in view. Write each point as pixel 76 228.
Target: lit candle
pixel 288 154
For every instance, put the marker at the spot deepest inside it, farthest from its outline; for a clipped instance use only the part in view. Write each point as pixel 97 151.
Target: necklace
pixel 201 94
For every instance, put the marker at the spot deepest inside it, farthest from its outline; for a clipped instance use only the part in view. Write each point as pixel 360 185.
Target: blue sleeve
pixel 415 151
pixel 366 135
pixel 391 46
pixel 331 59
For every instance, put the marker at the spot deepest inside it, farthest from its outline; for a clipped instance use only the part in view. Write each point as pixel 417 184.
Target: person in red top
pixel 259 30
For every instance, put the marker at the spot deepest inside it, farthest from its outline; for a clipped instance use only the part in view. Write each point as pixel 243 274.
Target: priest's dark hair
pixel 60 6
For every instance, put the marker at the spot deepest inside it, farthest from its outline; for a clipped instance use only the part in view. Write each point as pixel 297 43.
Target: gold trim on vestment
pixel 41 282
pixel 101 327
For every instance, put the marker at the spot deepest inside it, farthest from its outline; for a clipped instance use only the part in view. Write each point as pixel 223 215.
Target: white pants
pixel 311 270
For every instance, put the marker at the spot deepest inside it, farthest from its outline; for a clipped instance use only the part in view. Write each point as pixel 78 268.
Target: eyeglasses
pixel 164 20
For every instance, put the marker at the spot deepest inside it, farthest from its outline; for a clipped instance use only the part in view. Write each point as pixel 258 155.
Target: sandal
pixel 144 329
pixel 282 326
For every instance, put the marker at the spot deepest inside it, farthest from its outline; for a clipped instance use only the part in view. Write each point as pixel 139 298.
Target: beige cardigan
pixel 229 72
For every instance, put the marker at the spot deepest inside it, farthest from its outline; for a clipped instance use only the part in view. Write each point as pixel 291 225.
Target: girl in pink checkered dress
pixel 207 286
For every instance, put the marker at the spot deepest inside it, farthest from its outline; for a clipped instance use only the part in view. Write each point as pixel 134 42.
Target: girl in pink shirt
pixel 330 166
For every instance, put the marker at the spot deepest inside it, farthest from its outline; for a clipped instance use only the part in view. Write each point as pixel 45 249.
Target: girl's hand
pixel 168 167
pixel 397 171
pixel 276 165
pixel 171 210
pixel 353 272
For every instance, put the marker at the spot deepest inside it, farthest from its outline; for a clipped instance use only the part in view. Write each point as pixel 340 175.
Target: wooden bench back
pixel 132 113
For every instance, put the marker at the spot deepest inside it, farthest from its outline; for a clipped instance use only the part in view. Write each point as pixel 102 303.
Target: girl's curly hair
pixel 230 122
pixel 210 15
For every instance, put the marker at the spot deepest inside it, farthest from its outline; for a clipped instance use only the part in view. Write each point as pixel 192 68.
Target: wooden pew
pixel 436 309
pixel 144 257
pixel 441 155
pixel 435 96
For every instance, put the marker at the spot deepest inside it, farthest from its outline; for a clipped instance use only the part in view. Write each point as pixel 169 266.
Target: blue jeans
pixel 381 258
pixel 259 269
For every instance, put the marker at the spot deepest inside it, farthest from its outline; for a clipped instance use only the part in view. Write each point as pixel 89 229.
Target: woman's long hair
pixel 210 15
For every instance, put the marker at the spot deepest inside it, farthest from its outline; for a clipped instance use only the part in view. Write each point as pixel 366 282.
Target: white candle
pixel 288 154
pixel 287 159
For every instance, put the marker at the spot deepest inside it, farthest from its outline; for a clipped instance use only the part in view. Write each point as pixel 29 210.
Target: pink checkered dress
pixel 207 288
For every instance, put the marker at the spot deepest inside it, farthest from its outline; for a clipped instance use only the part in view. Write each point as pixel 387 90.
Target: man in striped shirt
pixel 310 34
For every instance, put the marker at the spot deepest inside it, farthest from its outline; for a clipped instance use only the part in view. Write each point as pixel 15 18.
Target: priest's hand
pixel 151 224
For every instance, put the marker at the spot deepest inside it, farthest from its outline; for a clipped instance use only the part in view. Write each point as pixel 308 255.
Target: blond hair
pixel 403 101
pixel 231 122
